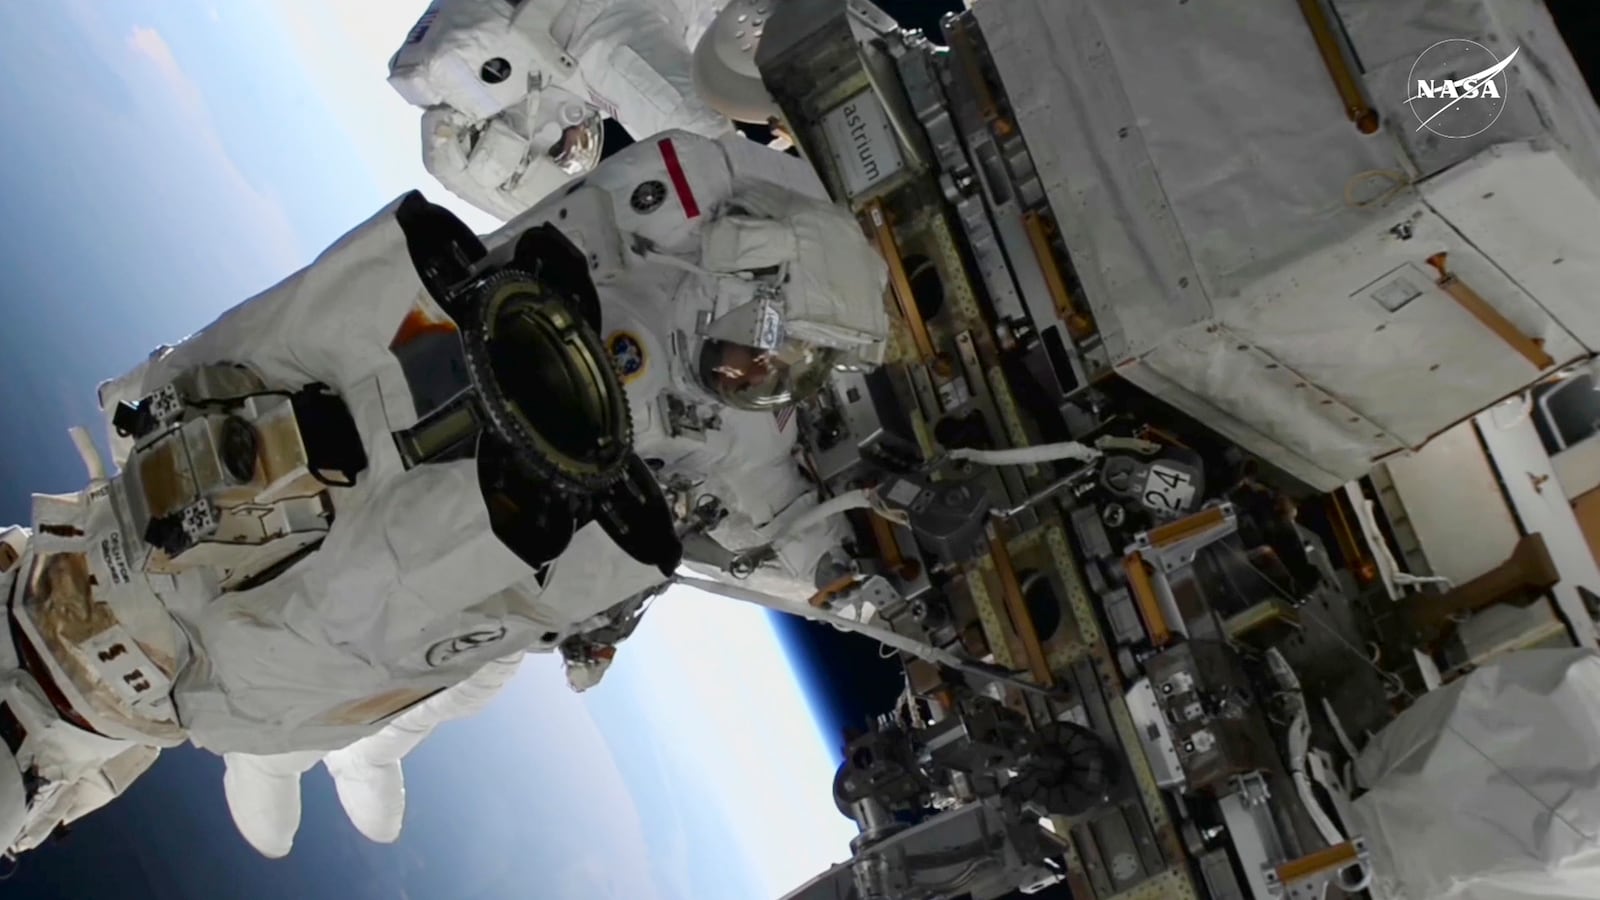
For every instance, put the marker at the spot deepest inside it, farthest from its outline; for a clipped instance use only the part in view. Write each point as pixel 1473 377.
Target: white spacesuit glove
pixel 583 674
pixel 263 792
pixel 475 161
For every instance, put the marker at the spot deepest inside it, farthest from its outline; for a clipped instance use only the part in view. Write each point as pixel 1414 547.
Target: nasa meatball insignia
pixel 627 353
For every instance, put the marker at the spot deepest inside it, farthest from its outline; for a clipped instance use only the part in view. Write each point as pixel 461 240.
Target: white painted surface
pixel 1501 629
pixel 1455 505
pixel 1578 467
pixel 1541 504
pixel 1531 213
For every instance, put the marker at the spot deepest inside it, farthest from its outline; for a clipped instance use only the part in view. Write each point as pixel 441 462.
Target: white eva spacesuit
pixel 513 93
pixel 681 307
pixel 348 506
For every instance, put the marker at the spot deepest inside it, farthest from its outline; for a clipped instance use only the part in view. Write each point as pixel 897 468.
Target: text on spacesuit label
pixel 123 666
pixel 115 558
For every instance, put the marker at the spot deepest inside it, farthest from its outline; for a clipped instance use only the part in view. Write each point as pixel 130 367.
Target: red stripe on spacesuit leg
pixel 680 182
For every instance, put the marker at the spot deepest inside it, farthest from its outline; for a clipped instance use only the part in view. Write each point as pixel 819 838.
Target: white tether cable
pixel 1022 456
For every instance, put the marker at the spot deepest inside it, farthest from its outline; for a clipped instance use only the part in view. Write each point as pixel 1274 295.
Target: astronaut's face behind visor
pixel 578 150
pixel 750 378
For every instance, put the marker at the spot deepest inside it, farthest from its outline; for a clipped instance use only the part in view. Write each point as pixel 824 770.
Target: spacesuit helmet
pixel 745 374
pixel 565 133
pixel 796 292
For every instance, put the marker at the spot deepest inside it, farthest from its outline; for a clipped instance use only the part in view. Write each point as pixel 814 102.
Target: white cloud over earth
pixel 152 56
pixel 345 46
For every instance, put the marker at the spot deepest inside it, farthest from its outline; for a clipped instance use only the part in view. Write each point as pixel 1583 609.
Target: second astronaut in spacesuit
pixel 513 94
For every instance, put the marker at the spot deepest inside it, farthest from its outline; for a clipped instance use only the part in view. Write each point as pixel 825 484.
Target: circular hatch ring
pixel 547 387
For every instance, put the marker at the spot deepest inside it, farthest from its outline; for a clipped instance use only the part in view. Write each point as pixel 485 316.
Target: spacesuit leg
pixel 367 773
pixel 263 794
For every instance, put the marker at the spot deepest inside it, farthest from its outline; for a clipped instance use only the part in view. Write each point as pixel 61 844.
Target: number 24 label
pixel 1168 490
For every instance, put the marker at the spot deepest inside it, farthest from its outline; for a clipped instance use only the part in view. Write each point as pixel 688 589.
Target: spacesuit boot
pixel 513 94
pixel 263 792
pixel 367 773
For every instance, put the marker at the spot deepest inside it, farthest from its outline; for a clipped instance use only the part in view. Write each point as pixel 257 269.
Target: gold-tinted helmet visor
pixel 751 378
pixel 578 150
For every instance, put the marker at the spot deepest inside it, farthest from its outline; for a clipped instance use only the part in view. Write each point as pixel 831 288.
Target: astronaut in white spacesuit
pixel 711 407
pixel 513 94
pixel 318 534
